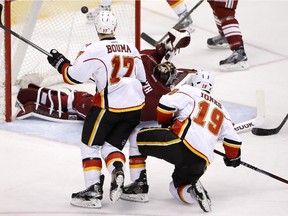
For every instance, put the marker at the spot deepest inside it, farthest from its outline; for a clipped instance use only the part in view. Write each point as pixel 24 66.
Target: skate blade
pixel 115 194
pixel 143 198
pixel 221 46
pixel 240 66
pixel 86 204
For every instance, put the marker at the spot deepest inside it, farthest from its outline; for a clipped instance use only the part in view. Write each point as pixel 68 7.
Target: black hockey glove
pixel 57 60
pixel 233 162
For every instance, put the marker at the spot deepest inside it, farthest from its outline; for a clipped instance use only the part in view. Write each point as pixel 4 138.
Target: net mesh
pixel 57 24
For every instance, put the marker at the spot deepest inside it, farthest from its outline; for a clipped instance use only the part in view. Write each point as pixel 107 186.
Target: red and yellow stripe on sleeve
pixel 164 114
pixel 232 148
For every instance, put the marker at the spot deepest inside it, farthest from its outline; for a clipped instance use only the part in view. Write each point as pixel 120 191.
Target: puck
pixel 84 9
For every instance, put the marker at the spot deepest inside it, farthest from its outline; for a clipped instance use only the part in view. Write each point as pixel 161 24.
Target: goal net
pixel 58 24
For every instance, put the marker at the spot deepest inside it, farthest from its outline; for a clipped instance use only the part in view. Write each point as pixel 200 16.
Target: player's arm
pixel 177 39
pixel 231 143
pixel 71 74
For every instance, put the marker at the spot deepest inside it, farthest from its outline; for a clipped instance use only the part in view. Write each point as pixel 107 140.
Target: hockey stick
pixel 256 169
pixel 24 39
pixel 20 37
pixel 151 41
pixel 267 132
pixel 148 39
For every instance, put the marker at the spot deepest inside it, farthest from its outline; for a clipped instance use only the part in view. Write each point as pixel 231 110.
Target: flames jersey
pixel 199 120
pixel 118 71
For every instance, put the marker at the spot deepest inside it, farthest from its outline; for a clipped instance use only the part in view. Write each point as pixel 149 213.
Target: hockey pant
pixel 164 144
pixel 102 125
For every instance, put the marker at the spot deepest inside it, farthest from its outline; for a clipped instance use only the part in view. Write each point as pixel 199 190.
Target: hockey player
pixel 118 72
pixel 197 120
pixel 229 36
pixel 54 105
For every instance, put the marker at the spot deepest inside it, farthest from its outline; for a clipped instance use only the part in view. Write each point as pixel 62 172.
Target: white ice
pixel 38 174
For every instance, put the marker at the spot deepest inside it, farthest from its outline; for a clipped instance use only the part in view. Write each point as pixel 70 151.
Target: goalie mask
pixel 105 22
pixel 203 80
pixel 165 73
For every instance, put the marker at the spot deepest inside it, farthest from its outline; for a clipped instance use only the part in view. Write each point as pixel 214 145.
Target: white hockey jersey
pixel 118 71
pixel 200 120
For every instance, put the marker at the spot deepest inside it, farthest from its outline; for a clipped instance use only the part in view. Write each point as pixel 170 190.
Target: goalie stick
pixel 267 132
pixel 153 42
pixel 256 169
pixel 260 118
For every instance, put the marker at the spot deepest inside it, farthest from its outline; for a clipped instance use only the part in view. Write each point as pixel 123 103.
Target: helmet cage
pixel 165 73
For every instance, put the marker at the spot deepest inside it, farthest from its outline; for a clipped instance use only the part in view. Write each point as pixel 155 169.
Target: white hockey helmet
pixel 105 22
pixel 203 80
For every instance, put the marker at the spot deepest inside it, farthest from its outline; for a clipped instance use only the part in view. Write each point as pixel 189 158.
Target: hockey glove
pixel 179 38
pixel 58 60
pixel 233 162
pixel 176 39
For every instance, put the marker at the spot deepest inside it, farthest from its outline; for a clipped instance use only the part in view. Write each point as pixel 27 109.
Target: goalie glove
pixel 176 39
pixel 58 60
pixel 234 162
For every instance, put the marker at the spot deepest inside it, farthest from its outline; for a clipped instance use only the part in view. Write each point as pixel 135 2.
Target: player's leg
pixel 43 103
pixel 122 129
pixel 228 26
pixel 137 190
pixel 186 184
pixel 94 134
pixel 180 9
pixel 148 144
pixel 218 41
pixel 191 194
pixel 92 165
pixel 114 160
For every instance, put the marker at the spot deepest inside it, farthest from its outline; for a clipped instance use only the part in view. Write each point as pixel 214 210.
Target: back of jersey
pixel 201 120
pixel 117 69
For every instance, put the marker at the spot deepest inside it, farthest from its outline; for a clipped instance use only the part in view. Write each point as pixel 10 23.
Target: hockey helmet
pixel 105 22
pixel 165 73
pixel 203 80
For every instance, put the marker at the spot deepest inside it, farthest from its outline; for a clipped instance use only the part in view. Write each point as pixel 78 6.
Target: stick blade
pixel 267 132
pixel 264 132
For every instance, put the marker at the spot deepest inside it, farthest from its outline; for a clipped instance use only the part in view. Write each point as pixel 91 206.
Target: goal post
pixel 49 24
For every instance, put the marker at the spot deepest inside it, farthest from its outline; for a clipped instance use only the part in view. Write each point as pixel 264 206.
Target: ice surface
pixel 39 174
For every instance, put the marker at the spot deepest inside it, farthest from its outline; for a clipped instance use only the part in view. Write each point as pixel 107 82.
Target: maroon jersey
pixel 154 89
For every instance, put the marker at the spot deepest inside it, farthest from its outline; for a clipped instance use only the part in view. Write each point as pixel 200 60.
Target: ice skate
pixel 138 190
pixel 186 23
pixel 116 182
pixel 89 198
pixel 236 61
pixel 217 42
pixel 198 192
